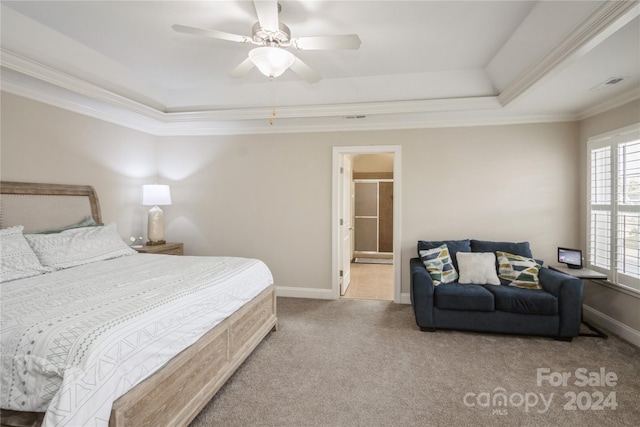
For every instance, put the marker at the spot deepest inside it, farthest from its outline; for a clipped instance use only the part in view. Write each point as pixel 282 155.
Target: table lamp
pixel 155 195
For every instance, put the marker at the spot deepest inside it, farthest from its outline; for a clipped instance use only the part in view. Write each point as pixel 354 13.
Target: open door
pixel 342 216
pixel 346 226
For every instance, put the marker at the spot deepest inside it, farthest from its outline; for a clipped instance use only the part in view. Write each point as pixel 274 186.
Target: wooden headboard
pixel 40 207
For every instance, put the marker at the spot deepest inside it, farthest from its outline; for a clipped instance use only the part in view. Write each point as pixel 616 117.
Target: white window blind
pixel 614 207
pixel 600 200
pixel 628 204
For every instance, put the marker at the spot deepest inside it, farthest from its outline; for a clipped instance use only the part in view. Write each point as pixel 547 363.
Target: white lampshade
pixel 156 195
pixel 271 61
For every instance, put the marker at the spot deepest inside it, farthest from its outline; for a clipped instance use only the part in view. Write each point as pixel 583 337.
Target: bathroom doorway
pixel 372 258
pixel 367 218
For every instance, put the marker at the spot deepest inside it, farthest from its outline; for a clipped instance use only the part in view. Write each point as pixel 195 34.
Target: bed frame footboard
pixel 178 392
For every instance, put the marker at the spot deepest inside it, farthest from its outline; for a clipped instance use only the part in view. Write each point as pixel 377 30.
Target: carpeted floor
pixel 365 363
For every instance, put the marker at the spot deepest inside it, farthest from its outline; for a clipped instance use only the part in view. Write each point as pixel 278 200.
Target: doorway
pixel 366 227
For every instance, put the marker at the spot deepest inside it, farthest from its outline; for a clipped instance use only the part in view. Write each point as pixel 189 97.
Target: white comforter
pixel 75 340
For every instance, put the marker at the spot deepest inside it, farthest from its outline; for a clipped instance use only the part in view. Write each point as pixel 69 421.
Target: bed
pixel 154 338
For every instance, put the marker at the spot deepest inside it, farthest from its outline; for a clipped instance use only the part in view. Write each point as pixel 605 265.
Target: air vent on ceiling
pixel 611 81
pixel 614 81
pixel 355 117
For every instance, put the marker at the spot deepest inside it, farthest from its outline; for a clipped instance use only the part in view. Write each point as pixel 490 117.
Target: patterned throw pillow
pixel 17 259
pixel 521 271
pixel 78 246
pixel 438 263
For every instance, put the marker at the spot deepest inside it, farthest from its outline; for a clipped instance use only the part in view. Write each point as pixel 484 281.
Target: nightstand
pixel 165 249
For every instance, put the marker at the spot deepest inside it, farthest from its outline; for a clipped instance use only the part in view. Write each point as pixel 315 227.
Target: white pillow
pixel 78 246
pixel 17 260
pixel 477 268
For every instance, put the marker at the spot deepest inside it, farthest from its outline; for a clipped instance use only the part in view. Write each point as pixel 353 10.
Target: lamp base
pixel 155 227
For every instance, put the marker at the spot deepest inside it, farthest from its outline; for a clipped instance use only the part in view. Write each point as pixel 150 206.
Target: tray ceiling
pixel 420 64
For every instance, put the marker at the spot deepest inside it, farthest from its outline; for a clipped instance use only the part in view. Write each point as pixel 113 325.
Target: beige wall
pixel 244 195
pixel 611 305
pixel 373 162
pixel 502 183
pixel 40 143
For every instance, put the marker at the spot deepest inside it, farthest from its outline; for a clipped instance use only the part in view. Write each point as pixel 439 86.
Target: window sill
pixel 620 288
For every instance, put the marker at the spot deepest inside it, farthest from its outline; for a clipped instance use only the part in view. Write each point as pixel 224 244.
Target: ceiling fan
pixel 273 38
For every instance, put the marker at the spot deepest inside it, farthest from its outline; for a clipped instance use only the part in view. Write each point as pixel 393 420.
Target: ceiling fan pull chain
pixel 273 101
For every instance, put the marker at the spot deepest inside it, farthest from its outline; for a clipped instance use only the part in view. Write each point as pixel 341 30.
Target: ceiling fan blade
pixel 241 69
pixel 345 41
pixel 211 33
pixel 267 11
pixel 304 71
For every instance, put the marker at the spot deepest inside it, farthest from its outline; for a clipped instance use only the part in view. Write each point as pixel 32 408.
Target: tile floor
pixel 371 281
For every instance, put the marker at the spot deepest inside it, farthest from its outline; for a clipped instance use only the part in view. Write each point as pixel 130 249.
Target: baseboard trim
pixel 291 292
pixel 620 329
pixel 405 298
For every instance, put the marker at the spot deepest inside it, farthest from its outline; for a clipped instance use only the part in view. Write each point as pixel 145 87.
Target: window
pixel 613 235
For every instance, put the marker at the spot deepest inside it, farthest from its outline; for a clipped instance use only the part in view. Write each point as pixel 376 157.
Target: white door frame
pixel 335 212
pixel 346 226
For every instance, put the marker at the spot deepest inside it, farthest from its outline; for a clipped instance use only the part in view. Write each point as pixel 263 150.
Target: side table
pixel 584 274
pixel 165 249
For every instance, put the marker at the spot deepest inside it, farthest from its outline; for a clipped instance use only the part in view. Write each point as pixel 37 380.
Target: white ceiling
pixel 420 64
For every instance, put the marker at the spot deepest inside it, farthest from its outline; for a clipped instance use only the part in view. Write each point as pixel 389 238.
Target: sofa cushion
pixel 521 271
pixel 523 301
pixel 477 268
pixel 438 263
pixel 457 296
pixel 522 248
pixel 454 247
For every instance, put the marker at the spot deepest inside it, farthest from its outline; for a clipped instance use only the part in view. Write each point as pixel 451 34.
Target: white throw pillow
pixel 477 268
pixel 78 246
pixel 17 260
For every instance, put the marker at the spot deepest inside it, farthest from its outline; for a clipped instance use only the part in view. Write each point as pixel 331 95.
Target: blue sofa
pixel 553 311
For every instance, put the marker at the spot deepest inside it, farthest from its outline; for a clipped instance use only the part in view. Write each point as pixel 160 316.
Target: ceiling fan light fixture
pixel 271 61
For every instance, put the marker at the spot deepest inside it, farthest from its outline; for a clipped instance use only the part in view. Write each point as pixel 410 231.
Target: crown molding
pixel 406 115
pixel 30 79
pixel 27 78
pixel 34 70
pixel 340 110
pixel 424 122
pixel 604 21
pixel 610 104
pixel 462 112
pixel 79 104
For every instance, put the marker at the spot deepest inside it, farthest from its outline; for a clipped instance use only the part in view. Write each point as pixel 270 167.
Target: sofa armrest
pixel 568 290
pixel 421 293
